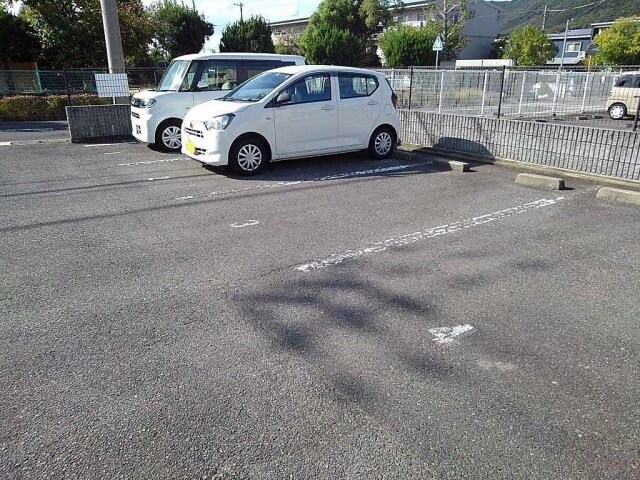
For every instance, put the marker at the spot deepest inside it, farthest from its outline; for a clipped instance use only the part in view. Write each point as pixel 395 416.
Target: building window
pixel 400 19
pixel 573 47
pixel 421 17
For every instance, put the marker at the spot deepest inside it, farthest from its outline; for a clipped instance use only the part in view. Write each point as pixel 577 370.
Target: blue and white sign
pixel 437 45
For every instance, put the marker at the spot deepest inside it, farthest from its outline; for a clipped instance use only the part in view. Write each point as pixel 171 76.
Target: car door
pixel 358 108
pixel 307 124
pixel 215 79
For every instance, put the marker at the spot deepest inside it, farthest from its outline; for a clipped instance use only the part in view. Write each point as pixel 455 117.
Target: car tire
pixel 248 156
pixel 169 136
pixel 382 143
pixel 617 111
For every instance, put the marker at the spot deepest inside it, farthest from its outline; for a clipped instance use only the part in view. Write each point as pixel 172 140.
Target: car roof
pixel 295 69
pixel 240 56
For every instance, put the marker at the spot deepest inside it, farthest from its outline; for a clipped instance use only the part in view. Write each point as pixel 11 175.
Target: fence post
pixel 555 94
pixel 524 79
pixel 504 69
pixel 155 79
pixel 441 91
pixel 484 92
pixel 635 122
pixel 66 85
pixel 584 95
pixel 410 84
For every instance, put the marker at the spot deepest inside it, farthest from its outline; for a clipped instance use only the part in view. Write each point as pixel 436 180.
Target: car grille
pixel 135 114
pixel 195 133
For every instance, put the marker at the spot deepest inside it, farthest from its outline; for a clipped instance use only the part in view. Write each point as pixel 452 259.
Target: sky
pixel 223 12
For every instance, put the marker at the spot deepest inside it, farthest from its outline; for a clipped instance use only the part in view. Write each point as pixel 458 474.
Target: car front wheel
pixel 382 143
pixel 617 111
pixel 248 156
pixel 169 136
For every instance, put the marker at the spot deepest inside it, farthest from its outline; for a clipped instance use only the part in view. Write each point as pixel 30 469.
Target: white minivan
pixel 156 115
pixel 298 111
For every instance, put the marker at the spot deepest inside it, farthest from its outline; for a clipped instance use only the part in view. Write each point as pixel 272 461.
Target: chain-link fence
pixel 71 81
pixel 505 92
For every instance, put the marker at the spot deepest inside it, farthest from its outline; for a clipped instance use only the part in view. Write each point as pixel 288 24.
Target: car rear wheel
pixel 382 143
pixel 248 156
pixel 169 136
pixel 617 111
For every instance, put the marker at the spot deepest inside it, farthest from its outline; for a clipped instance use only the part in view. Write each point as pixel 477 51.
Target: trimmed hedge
pixel 43 107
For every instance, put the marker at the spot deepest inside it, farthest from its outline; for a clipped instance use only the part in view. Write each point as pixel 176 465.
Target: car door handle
pixel 372 102
pixel 328 107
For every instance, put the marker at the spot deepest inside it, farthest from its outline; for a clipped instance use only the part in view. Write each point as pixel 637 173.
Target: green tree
pixel 405 45
pixel 619 44
pixel 325 44
pixel 289 45
pixel 180 30
pixel 72 35
pixel 348 27
pixel 528 46
pixel 253 35
pixel 18 40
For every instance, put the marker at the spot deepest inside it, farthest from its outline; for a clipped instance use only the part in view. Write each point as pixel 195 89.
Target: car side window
pixel 255 67
pixel 314 88
pixel 220 74
pixel 356 85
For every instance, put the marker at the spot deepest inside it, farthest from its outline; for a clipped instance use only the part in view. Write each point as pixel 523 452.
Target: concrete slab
pixel 542 182
pixel 619 195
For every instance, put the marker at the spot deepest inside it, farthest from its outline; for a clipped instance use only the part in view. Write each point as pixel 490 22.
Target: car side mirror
pixel 284 97
pixel 202 85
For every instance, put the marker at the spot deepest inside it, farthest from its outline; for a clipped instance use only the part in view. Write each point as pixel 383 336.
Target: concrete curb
pixel 407 153
pixel 503 162
pixel 618 195
pixel 541 182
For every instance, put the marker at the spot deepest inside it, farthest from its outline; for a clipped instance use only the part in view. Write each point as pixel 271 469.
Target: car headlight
pixel 147 103
pixel 220 122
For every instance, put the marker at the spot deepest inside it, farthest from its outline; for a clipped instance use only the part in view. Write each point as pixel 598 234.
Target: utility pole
pixel 544 16
pixel 113 40
pixel 240 4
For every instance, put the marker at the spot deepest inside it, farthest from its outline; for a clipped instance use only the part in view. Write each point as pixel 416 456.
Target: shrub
pixel 43 107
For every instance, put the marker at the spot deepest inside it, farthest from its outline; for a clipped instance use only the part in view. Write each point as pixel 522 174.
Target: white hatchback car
pixel 293 112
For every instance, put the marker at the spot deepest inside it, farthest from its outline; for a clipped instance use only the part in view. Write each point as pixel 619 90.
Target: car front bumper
pixel 210 147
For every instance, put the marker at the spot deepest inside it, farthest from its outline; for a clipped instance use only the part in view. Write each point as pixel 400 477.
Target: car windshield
pixel 172 78
pixel 256 88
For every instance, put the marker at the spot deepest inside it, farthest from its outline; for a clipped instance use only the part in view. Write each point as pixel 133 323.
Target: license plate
pixel 191 147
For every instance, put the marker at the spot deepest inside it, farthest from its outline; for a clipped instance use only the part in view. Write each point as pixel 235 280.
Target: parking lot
pixel 331 318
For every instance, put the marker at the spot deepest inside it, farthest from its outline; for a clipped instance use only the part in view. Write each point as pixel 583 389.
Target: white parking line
pixel 300 182
pixel 249 223
pixel 157 178
pixel 151 162
pixel 447 334
pixel 112 153
pixel 429 233
pixel 5 144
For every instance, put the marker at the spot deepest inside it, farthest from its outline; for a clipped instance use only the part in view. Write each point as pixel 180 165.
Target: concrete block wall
pixel 96 122
pixel 589 150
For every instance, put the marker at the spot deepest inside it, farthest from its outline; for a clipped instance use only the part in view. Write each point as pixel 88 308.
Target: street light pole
pixel 564 44
pixel 113 41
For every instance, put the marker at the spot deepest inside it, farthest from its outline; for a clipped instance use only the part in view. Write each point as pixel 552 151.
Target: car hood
pixel 208 110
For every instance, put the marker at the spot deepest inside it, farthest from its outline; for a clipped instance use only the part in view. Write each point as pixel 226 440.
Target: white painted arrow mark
pixel 250 223
pixel 447 334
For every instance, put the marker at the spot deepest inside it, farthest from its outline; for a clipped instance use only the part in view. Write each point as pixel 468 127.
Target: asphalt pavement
pixel 33 131
pixel 331 318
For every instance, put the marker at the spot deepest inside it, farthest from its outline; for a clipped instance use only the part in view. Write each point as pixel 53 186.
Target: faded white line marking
pixel 151 162
pixel 429 233
pixel 94 145
pixel 5 144
pixel 447 334
pixel 300 182
pixel 157 178
pixel 249 223
pixel 112 153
